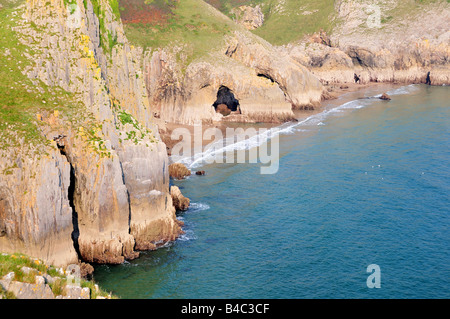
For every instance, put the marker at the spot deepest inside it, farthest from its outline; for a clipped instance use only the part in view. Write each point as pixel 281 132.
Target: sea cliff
pixel 95 185
pixel 83 170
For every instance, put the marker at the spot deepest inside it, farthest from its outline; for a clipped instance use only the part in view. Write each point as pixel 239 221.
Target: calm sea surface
pixel 367 182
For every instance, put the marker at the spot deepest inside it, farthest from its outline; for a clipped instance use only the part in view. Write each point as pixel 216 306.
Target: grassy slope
pixel 15 262
pixel 226 6
pixel 191 24
pixel 20 101
pixel 286 21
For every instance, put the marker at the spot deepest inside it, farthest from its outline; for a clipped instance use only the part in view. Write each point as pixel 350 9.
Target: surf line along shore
pixel 234 142
pixel 229 308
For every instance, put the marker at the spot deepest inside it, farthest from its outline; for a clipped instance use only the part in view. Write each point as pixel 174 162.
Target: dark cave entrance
pixel 226 102
pixel 60 142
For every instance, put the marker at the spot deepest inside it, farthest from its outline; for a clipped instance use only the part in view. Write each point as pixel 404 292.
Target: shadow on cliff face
pixel 60 142
pixel 4 208
pixel 226 102
pixel 76 231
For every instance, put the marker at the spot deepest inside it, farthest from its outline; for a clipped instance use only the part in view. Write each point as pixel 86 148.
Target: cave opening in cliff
pixel 226 102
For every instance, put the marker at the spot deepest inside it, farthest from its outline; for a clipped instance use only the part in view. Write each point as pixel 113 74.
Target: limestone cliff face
pixel 300 87
pixel 401 50
pixel 188 98
pixel 102 194
pixel 35 213
pixel 267 85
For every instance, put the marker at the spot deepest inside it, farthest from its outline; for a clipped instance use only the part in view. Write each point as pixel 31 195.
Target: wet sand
pixel 338 94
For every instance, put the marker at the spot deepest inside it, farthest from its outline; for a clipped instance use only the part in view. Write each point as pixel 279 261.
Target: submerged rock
pixel 385 97
pixel 223 109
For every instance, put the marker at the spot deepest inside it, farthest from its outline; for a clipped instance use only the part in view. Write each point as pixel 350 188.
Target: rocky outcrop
pixel 188 98
pixel 327 63
pixel 300 87
pixel 180 202
pixel 35 212
pixel 411 64
pixel 380 48
pixel 38 280
pixel 268 86
pixel 385 97
pixel 178 171
pixel 250 17
pixel 23 290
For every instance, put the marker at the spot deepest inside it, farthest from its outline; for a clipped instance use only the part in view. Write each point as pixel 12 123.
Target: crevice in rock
pixel 60 142
pixel 4 209
pixel 128 198
pixel 76 230
pixel 262 75
pixel 226 102
pixel 231 50
pixel 357 61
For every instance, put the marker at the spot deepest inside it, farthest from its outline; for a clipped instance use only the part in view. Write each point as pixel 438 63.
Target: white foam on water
pixel 404 90
pixel 225 145
pixel 188 235
pixel 198 207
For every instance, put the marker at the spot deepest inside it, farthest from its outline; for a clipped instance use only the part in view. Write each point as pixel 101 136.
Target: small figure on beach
pixel 428 81
pixel 357 78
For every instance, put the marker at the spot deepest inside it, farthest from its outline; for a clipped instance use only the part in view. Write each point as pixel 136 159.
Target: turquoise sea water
pixel 365 183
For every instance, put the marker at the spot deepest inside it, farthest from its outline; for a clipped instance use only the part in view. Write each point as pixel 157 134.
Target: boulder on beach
pixel 178 171
pixel 223 109
pixel 179 201
pixel 385 97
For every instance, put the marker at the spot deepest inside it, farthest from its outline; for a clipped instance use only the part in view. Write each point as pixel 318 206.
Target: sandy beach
pixel 338 94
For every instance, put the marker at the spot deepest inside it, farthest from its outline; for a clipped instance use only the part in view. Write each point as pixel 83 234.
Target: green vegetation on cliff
pixel 26 269
pixel 190 25
pixel 21 101
pixel 199 29
pixel 107 40
pixel 286 20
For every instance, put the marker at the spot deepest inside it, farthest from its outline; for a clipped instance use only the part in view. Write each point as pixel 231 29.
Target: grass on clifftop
pixel 20 100
pixel 162 22
pixel 290 20
pixel 226 6
pixel 188 24
pixel 286 21
pixel 15 263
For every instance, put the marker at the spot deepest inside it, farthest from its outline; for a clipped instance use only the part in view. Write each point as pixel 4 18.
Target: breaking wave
pixel 221 147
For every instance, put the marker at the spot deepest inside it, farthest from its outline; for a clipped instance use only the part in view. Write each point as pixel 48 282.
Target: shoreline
pixel 338 95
